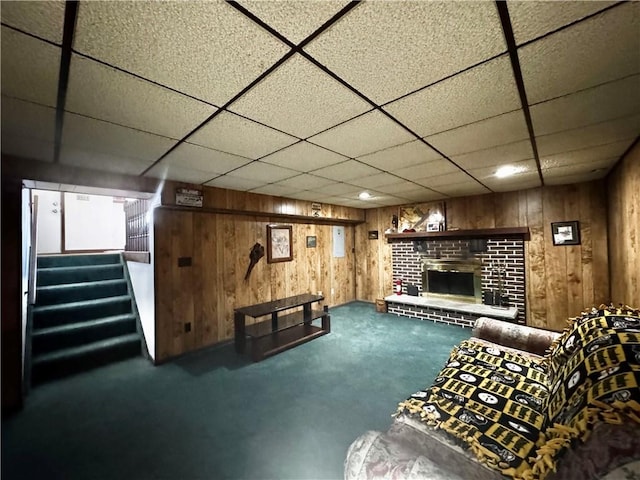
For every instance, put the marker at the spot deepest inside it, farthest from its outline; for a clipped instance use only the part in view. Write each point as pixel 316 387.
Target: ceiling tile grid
pixel 262 172
pixel 179 173
pixel 203 159
pixel 27 120
pixel 389 49
pixel 234 183
pixel 495 156
pixel 482 92
pixel 294 20
pixel 345 171
pixel 426 170
pixel 366 134
pixel 491 132
pixel 303 157
pixel 305 182
pixel 204 49
pixel 112 141
pixel 584 55
pixel 30 68
pixel 594 105
pixel 108 94
pixel 42 19
pixel 103 161
pixel 404 155
pixel 586 155
pixel 532 19
pixel 275 190
pixel 300 99
pixel 234 134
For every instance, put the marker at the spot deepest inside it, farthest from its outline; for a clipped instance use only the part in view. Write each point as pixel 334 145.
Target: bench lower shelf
pixel 276 342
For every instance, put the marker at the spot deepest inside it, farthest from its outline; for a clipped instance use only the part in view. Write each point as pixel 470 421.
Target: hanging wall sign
pixel 189 197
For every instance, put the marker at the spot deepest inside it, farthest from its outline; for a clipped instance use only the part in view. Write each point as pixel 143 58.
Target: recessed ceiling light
pixel 507 171
pixel 364 196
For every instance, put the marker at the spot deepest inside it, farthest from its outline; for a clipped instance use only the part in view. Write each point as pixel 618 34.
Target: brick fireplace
pixel 501 260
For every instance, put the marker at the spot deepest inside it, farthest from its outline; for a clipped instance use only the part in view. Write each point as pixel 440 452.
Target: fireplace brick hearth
pixel 506 254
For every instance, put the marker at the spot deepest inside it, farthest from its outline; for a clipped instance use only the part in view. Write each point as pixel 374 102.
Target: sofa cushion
pixel 491 400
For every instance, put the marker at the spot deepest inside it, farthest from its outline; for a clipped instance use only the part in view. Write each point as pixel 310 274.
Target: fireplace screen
pixel 456 279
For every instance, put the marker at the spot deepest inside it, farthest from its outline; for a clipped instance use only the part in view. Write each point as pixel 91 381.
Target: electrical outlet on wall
pixel 333 291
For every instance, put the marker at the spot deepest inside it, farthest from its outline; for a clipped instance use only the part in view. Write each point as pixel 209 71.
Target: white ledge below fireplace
pixel 510 313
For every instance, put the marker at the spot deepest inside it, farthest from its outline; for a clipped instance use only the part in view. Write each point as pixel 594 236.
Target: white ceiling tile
pixel 204 49
pixel 463 189
pixel 263 172
pixel 500 155
pixel 43 19
pixel 179 173
pixel 599 104
pixel 237 135
pixel 437 181
pixel 90 135
pixel 398 188
pixel 27 129
pixel 382 200
pixel 368 133
pixel 574 168
pixel 479 93
pixel 565 176
pixel 377 180
pixel 341 189
pixel 195 157
pixel 103 92
pixel 303 157
pixel 434 167
pixel 584 55
pixel 305 182
pixel 405 155
pixel 590 136
pixel 275 190
pixel 587 155
pixel 30 68
pixel 103 161
pixel 27 119
pixel 527 169
pixel 336 200
pixel 234 183
pixel 530 180
pixel 388 49
pixel 505 128
pixel 300 99
pixel 531 19
pixel 422 195
pixel 307 195
pixel 294 20
pixel 346 171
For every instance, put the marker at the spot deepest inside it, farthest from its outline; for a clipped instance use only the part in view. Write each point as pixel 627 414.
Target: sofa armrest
pixel 520 337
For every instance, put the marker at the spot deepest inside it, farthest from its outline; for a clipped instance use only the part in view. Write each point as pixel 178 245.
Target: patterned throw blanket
pixel 518 414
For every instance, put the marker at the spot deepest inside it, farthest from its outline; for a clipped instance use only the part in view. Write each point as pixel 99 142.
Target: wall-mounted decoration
pixel 257 252
pixel 316 209
pixel 189 197
pixel 422 217
pixel 566 233
pixel 311 241
pixel 279 246
pixel 373 234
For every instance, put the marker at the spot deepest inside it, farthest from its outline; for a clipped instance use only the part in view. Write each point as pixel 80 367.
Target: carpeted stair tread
pixel 70 292
pixel 70 327
pixel 45 261
pixel 51 315
pixel 89 348
pixel 77 305
pixel 77 274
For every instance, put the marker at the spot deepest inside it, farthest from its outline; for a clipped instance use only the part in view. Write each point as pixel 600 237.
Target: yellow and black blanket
pixel 518 414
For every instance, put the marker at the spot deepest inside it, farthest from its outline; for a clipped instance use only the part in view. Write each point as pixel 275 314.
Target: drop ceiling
pixel 412 101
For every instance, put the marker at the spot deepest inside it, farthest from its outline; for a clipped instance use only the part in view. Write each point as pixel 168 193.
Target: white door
pixel 49 221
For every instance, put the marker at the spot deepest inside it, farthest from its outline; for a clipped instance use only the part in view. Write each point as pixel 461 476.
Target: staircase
pixel 83 317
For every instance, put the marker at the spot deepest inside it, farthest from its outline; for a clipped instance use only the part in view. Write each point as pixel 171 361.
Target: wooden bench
pixel 281 330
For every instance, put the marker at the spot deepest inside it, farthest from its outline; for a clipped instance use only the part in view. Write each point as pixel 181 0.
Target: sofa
pixel 522 403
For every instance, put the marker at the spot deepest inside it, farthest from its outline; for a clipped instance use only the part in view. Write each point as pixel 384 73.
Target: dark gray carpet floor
pixel 216 415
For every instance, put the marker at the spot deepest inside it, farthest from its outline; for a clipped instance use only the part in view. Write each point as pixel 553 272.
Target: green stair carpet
pixel 83 317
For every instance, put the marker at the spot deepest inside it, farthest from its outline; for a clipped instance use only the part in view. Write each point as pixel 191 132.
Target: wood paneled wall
pixel 624 229
pixel 561 280
pixel 206 293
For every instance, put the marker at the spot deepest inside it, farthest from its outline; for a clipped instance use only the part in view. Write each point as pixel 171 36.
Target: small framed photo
pixel 433 227
pixel 311 241
pixel 279 247
pixel 566 233
pixel 373 234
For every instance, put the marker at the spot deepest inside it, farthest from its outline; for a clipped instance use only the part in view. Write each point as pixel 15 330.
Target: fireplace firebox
pixel 455 279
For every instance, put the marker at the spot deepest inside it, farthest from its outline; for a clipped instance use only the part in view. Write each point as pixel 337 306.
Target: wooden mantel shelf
pixel 479 233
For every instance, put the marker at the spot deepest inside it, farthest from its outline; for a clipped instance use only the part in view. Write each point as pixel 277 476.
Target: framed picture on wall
pixel 311 241
pixel 279 244
pixel 566 233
